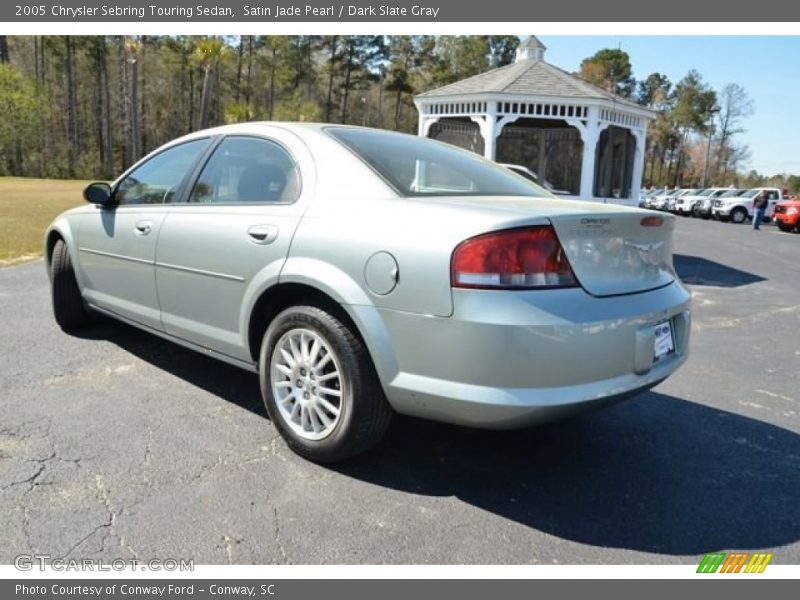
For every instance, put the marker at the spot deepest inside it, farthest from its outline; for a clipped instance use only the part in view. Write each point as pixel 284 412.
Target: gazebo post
pixel 488 131
pixel 425 124
pixel 590 132
pixel 588 162
pixel 638 163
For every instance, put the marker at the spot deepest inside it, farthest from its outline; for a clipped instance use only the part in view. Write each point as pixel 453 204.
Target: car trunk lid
pixel 618 253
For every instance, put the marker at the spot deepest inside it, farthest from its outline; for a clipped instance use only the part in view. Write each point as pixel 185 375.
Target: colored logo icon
pixel 734 562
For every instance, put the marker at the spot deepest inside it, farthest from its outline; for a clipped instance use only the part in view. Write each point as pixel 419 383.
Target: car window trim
pixel 180 189
pixel 204 160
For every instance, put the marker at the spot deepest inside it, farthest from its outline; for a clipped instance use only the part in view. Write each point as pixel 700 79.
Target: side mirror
pixel 98 192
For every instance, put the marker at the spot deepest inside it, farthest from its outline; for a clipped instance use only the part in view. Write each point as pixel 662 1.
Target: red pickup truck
pixel 787 215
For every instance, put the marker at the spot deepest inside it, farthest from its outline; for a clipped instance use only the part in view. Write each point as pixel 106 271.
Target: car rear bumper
pixel 510 359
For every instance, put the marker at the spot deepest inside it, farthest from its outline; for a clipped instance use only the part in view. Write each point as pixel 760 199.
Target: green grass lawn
pixel 27 206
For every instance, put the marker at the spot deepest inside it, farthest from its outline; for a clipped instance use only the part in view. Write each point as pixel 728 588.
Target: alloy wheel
pixel 307 383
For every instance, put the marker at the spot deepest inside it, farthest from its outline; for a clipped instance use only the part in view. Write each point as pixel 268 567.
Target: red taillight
pixel 652 222
pixel 514 259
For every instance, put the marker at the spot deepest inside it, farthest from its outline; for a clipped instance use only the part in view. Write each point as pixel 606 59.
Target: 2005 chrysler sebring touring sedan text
pixel 361 272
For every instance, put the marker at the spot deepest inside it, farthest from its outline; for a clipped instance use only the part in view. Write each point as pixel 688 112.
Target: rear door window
pixel 247 170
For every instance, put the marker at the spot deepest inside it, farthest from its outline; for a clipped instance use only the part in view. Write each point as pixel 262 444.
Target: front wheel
pixel 320 387
pixel 68 307
pixel 739 215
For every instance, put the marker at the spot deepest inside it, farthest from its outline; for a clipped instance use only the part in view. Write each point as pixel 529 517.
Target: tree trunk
pixel 191 100
pixel 143 98
pixel 205 96
pixel 216 97
pixel 72 105
pixel 98 63
pixel 36 51
pixel 380 100
pixel 249 70
pixel 43 146
pixel 273 68
pixel 348 74
pixel 108 127
pixel 331 67
pixel 678 175
pixel 136 133
pixel 397 105
pixel 309 68
pixel 4 57
pixel 239 65
pixel 124 109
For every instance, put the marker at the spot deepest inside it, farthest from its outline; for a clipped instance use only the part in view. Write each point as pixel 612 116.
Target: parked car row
pixel 726 204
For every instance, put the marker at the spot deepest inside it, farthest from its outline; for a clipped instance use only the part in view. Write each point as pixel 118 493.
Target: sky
pixel 768 67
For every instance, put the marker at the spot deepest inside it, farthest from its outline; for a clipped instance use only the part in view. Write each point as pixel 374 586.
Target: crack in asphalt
pixel 21 432
pixel 278 540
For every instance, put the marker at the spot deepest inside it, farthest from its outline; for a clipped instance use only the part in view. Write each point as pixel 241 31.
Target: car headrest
pixel 261 183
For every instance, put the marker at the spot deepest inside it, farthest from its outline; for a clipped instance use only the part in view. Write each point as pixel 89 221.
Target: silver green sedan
pixel 362 272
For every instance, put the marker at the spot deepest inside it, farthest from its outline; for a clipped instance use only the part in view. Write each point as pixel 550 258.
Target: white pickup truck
pixel 699 203
pixel 739 209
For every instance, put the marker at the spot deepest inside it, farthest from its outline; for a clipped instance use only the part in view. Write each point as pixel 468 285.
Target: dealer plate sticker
pixel 664 343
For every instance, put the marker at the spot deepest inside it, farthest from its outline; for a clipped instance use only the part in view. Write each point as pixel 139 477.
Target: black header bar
pixel 186 11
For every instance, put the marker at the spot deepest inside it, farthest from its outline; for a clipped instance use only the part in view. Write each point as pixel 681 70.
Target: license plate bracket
pixel 664 341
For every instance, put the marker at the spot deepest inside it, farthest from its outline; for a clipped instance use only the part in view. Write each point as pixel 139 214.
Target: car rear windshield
pixel 416 166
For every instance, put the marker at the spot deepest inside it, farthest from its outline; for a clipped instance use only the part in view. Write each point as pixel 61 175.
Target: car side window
pixel 157 180
pixel 247 169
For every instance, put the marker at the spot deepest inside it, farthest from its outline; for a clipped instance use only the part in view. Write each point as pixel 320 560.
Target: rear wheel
pixel 68 307
pixel 320 387
pixel 784 227
pixel 738 215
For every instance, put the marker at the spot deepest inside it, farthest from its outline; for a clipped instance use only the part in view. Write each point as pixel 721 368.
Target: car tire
pixel 363 414
pixel 69 309
pixel 738 215
pixel 784 227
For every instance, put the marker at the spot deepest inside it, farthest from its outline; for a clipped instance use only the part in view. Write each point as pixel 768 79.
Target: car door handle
pixel 143 227
pixel 262 234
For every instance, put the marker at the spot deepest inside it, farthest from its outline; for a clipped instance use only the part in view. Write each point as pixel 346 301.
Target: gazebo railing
pixel 539 109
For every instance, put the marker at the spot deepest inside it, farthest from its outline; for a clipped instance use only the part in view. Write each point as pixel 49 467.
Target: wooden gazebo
pixel 580 140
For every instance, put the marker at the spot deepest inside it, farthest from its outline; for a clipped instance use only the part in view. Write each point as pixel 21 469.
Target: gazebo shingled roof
pixel 531 78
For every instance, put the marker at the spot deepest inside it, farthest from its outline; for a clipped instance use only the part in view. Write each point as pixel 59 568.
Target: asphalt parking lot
pixel 118 444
